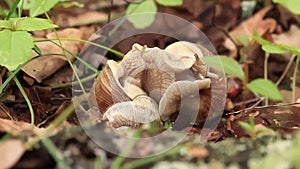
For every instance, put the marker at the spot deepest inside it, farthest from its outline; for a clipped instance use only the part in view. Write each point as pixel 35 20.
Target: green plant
pixel 297 152
pixel 38 7
pixel 269 47
pixel 292 5
pixel 149 7
pixel 231 67
pixel 17 42
pixel 252 131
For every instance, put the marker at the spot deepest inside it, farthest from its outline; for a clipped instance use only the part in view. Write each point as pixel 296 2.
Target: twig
pixel 262 107
pixel 286 70
pixel 223 30
pixel 109 11
pixel 267 55
pixel 294 79
pixel 247 101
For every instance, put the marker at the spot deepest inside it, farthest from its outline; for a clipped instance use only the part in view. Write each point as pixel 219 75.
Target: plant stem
pixel 54 86
pixel 12 9
pixel 141 162
pixel 98 162
pixel 63 116
pixel 55 153
pixel 294 79
pixel 14 73
pixel 286 70
pixel 27 100
pixel 119 160
pixel 84 41
pixel 267 55
pixel 20 9
pixel 75 56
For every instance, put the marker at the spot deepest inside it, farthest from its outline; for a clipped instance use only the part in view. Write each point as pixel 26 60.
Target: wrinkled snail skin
pixel 177 91
pixel 142 109
pixel 145 85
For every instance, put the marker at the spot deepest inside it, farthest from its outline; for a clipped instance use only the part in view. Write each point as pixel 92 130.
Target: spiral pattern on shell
pixel 150 83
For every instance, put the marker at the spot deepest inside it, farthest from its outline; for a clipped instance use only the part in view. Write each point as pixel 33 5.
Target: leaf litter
pixel 233 148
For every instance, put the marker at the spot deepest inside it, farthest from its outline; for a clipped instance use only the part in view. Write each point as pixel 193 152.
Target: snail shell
pixel 149 83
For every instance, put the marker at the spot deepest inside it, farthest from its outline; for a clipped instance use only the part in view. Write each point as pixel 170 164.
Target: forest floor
pixel 268 138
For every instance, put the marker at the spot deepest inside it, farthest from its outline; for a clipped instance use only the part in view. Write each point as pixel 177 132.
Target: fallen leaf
pixel 247 28
pixel 87 18
pixel 15 128
pixel 290 38
pixel 11 152
pixel 193 6
pixel 64 20
pixel 198 152
pixel 286 16
pixel 287 95
pixel 45 66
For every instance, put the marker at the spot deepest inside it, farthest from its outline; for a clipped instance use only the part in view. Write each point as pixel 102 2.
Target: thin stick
pixel 262 107
pixel 267 55
pixel 294 79
pixel 286 70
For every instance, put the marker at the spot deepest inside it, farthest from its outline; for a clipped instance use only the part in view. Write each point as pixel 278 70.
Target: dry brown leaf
pixel 290 37
pixel 197 7
pixel 198 152
pixel 287 95
pixel 16 128
pixel 11 151
pixel 286 16
pixel 227 13
pixel 254 23
pixel 43 67
pixel 63 75
pixel 64 20
pixel 4 112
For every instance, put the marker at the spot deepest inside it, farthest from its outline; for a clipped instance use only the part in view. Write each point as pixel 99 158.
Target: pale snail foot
pixel 142 109
pixel 178 91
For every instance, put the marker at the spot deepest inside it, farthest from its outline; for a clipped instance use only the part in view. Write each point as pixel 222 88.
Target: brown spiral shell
pixel 144 86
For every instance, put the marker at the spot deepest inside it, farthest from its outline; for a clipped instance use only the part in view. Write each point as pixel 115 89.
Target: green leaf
pixel 263 130
pixel 273 48
pixel 244 39
pixel 229 65
pixel 31 24
pixel 38 7
pixel 170 2
pixel 15 48
pixel 141 15
pixel 292 5
pixel 5 24
pixel 292 49
pixel 259 39
pixel 246 126
pixel 67 4
pixel 297 152
pixel 265 88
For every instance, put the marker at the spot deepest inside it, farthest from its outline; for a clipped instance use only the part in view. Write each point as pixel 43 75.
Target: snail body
pixel 149 84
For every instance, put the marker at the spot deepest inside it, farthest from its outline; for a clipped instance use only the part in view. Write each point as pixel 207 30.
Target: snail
pixel 150 83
